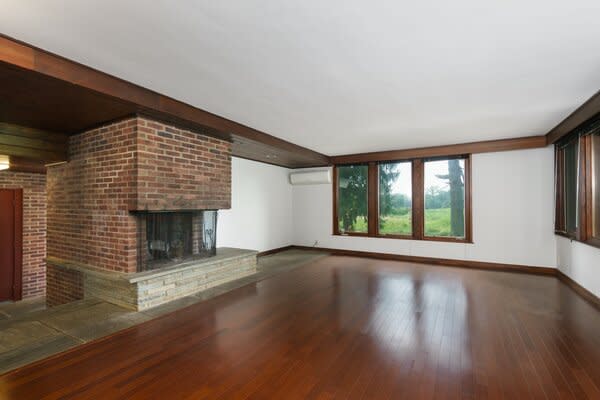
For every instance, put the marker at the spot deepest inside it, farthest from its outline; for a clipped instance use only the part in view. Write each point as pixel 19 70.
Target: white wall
pixel 580 262
pixel 512 215
pixel 261 208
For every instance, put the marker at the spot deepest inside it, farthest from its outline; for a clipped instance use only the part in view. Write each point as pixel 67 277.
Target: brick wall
pixel 64 285
pixel 89 198
pixel 34 228
pixel 181 170
pixel 136 164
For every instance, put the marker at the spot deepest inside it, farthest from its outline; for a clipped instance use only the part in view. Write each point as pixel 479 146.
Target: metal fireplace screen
pixel 169 238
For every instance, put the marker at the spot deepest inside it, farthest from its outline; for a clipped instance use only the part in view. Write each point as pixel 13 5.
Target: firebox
pixel 169 238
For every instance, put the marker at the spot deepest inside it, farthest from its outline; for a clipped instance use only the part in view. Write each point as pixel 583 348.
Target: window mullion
pixel 418 198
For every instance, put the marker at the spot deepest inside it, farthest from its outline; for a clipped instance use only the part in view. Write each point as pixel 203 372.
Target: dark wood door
pixel 10 243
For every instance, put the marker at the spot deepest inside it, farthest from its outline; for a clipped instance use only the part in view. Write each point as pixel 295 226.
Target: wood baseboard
pixel 438 261
pixel 445 262
pixel 580 290
pixel 273 251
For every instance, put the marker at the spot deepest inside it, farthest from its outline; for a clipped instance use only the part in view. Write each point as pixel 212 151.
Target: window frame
pixel 586 184
pixel 336 226
pixel 418 201
pixel 376 211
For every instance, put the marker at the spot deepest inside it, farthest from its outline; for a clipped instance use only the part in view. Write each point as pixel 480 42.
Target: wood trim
pixel 488 146
pixel 18 245
pixel 47 137
pixel 151 103
pixel 468 199
pixel 580 290
pixel 445 262
pixel 20 164
pixel 274 251
pixel 584 112
pixel 20 141
pixel 418 198
pixel 484 265
pixel 585 189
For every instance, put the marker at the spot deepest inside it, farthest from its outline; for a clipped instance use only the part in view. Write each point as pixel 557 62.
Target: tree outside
pixel 352 198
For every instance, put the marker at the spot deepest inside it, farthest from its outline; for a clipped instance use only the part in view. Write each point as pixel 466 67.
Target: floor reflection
pixel 406 314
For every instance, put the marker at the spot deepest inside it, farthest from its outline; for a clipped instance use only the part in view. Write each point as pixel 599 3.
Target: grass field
pixel 437 223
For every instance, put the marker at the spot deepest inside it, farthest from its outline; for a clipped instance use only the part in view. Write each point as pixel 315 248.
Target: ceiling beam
pixel 36 144
pixel 584 112
pixel 20 164
pixel 488 146
pixel 27 57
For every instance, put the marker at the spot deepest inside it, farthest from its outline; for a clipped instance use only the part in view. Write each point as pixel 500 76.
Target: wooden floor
pixel 346 328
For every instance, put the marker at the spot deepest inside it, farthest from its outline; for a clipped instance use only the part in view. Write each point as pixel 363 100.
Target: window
pixel 419 199
pixel 395 199
pixel 352 189
pixel 445 198
pixel 577 178
pixel 596 186
pixel 570 165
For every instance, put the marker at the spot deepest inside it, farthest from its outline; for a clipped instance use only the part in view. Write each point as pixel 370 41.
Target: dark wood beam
pixel 530 142
pixel 126 97
pixel 32 143
pixel 584 112
pixel 20 164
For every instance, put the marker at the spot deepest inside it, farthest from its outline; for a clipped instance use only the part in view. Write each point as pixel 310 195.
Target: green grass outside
pixel 437 223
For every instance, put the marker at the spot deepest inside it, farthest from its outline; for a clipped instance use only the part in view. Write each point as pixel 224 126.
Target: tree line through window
pixel 577 180
pixel 425 199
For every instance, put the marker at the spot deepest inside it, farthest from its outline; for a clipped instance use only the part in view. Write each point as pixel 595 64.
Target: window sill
pixel 402 237
pixel 565 235
pixel 592 242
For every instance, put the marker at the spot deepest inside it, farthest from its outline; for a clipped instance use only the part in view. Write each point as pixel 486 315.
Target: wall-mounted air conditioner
pixel 311 177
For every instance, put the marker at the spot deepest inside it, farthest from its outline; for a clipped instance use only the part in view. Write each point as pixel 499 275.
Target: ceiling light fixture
pixel 4 162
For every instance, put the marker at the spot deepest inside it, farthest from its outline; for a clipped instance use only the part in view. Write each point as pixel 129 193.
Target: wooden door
pixel 11 235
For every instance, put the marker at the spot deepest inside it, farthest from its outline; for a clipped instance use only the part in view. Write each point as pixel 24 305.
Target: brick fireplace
pixel 99 205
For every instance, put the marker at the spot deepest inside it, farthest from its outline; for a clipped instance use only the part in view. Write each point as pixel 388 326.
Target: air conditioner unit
pixel 312 177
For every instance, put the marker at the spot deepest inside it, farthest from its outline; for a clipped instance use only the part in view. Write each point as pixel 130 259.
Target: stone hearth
pixel 143 290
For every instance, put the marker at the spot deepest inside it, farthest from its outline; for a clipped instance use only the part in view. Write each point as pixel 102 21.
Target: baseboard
pixel 273 251
pixel 446 262
pixel 580 290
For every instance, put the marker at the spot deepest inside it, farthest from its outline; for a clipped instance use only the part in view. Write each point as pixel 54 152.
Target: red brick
pixel 34 228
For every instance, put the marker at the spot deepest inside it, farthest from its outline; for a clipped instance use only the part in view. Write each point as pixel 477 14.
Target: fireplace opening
pixel 170 238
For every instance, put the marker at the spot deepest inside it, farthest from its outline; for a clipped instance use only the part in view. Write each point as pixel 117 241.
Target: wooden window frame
pixel 418 202
pixel 585 206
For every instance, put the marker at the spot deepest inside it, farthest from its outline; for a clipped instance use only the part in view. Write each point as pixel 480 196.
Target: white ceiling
pixel 340 76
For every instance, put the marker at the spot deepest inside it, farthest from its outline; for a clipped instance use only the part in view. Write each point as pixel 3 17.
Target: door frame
pixel 18 245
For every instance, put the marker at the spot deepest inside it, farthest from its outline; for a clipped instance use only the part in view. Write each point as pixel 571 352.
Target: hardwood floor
pixel 344 327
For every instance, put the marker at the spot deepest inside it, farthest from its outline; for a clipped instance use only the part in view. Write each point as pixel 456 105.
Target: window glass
pixel 596 184
pixel 352 199
pixel 571 173
pixel 445 198
pixel 395 198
